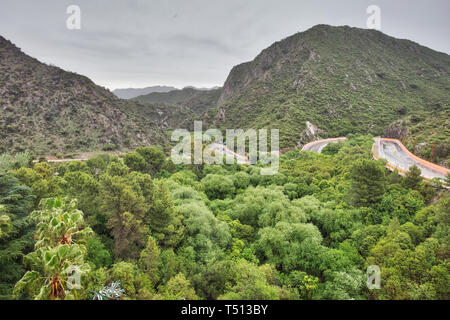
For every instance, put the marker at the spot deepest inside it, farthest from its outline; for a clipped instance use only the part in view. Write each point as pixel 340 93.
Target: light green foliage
pixel 4 222
pixel 136 284
pixel 59 247
pixel 250 282
pixel 204 232
pixel 226 232
pixel 178 288
pixel 345 285
pixel 40 179
pixel 59 222
pixel 217 186
pixel 281 244
pixel 304 284
pixel 135 161
pixel 265 207
pixel 16 161
pixel 241 180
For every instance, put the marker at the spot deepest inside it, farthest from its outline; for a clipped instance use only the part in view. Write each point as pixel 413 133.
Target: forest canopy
pixel 222 231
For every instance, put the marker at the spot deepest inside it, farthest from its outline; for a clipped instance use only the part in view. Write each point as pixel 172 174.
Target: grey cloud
pixel 138 43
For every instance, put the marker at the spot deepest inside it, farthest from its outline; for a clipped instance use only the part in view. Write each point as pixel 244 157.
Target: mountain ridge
pixel 342 80
pixel 45 109
pixel 130 93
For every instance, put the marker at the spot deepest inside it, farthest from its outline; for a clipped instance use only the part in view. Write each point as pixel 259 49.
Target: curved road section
pixel 394 152
pixel 318 145
pixel 398 157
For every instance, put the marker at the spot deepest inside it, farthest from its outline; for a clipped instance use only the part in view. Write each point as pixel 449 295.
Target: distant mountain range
pixel 337 80
pixel 131 93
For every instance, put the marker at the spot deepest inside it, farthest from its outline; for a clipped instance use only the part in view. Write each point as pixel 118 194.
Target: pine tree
pixel 412 178
pixel 162 218
pixel 368 182
pixel 149 259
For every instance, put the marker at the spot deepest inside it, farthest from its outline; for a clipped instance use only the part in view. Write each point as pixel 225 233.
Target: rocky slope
pixel 341 80
pixel 179 108
pixel 47 110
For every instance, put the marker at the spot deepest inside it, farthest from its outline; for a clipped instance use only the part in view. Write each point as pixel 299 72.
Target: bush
pixel 218 187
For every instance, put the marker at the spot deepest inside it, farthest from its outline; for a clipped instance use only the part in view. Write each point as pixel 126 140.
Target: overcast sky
pixel 139 43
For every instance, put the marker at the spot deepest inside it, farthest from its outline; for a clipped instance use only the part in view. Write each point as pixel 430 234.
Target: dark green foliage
pixel 226 232
pixel 217 186
pixel 368 182
pixel 412 178
pixel 97 253
pixel 162 217
pixel 17 200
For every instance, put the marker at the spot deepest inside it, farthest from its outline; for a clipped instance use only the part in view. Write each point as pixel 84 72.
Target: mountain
pixel 47 110
pixel 333 81
pixel 131 93
pixel 324 82
pixel 179 108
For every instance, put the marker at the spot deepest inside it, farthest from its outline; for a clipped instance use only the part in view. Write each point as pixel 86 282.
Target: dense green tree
pixel 17 200
pixel 265 207
pixel 40 179
pixel 162 218
pixel 304 284
pixel 241 180
pixel 97 253
pixel 137 285
pixel 59 251
pixel 218 187
pixel 4 222
pixel 204 232
pixel 367 182
pixel 126 210
pixel 250 282
pixel 154 157
pixel 149 259
pixel 178 288
pixel 135 161
pixel 412 178
pixel 344 285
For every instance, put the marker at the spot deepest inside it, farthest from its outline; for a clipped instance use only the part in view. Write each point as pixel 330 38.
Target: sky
pixel 140 43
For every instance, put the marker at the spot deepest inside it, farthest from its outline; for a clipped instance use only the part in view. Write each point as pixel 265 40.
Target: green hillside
pixel 47 110
pixel 343 80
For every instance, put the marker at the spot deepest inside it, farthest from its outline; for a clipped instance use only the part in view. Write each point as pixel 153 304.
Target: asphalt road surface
pixel 398 157
pixel 317 146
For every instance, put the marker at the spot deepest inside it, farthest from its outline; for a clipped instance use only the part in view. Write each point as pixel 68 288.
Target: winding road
pixel 394 152
pixel 318 145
